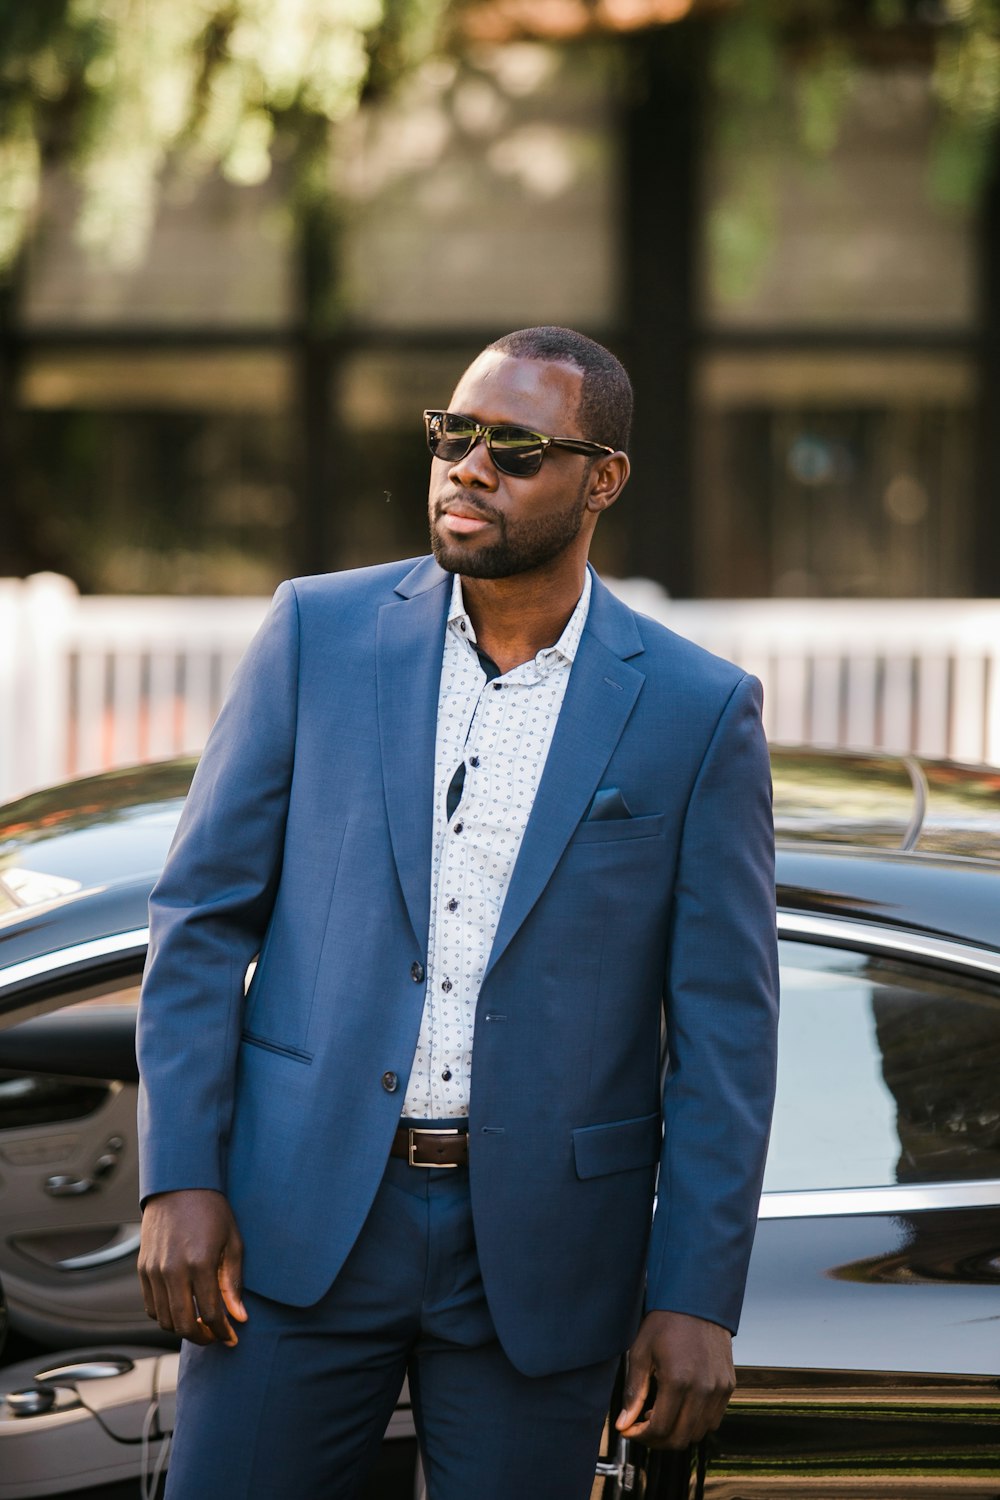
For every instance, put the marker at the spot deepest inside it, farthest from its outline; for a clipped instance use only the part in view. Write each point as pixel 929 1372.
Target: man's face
pixel 486 524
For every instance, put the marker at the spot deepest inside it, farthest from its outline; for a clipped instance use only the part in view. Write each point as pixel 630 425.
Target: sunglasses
pixel 514 450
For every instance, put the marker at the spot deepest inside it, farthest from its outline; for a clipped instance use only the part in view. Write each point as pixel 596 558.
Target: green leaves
pixel 967 83
pixel 783 79
pixel 121 88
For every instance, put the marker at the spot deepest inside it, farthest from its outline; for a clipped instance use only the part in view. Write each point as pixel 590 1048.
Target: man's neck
pixel 515 618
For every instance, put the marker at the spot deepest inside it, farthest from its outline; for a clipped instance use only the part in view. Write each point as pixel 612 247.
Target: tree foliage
pixel 121 88
pixel 967 81
pixel 784 72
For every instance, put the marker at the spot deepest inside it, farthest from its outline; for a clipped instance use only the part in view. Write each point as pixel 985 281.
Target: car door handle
pixel 121 1246
pixel 69 1187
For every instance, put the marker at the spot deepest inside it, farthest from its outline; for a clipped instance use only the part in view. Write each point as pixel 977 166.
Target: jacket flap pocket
pixel 617 1147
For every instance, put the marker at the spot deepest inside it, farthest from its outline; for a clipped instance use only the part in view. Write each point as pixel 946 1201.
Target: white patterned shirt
pixel 501 730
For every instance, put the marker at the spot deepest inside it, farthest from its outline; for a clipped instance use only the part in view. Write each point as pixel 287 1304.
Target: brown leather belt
pixel 431 1148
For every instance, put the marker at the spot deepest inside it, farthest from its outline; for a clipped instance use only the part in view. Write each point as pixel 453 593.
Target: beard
pixel 519 546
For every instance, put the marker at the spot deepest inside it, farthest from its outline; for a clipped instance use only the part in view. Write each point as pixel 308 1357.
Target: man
pixel 482 827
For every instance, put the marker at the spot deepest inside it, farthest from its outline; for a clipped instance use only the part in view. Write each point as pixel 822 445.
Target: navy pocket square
pixel 608 803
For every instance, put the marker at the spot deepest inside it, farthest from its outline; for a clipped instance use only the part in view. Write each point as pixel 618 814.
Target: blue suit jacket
pixel 307 839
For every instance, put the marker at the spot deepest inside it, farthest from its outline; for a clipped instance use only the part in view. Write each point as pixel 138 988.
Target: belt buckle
pixel 439 1166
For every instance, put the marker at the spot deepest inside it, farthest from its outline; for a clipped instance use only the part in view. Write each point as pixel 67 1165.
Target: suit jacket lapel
pixel 409 644
pixel 600 696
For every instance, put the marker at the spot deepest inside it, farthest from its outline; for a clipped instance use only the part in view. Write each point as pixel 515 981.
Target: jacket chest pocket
pixel 618 830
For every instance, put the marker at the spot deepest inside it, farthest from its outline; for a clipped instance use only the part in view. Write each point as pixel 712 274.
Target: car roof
pixel 955 898
pixel 879 838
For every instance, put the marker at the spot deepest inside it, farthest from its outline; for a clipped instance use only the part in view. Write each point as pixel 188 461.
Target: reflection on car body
pixel 868 1357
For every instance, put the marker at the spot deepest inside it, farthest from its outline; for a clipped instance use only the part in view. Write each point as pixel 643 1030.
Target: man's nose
pixel 476 470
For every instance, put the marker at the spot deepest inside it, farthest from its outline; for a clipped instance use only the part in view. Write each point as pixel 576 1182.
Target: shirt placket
pixel 457 934
pixel 483 725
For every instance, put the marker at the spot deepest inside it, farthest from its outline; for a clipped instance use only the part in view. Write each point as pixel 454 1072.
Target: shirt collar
pixel 565 647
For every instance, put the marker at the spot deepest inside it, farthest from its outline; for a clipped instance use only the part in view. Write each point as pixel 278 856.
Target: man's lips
pixel 460 520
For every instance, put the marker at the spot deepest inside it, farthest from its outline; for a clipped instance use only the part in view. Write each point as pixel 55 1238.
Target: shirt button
pixel 497 686
pixel 446 1075
pixel 390 1082
pixel 458 828
pixel 453 904
pixel 416 972
pixel 446 986
pixel 474 761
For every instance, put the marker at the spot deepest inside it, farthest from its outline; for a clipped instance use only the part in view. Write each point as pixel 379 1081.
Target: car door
pixel 869 1352
pixel 69 1218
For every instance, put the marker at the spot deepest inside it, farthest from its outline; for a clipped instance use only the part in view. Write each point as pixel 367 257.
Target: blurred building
pixel 815 343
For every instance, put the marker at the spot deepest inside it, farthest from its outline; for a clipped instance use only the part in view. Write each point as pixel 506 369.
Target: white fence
pixel 90 683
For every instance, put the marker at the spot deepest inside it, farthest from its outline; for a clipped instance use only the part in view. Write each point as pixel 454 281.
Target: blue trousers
pixel 297 1410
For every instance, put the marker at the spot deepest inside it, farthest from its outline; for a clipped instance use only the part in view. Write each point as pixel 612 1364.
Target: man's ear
pixel 608 478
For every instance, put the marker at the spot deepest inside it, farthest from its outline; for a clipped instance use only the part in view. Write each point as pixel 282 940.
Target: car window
pixel 128 994
pixel 887 1074
pixel 30 1098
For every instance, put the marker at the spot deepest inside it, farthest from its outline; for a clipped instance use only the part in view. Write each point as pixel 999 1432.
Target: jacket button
pixel 416 972
pixel 390 1082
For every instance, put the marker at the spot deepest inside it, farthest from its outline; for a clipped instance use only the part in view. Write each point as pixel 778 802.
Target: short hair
pixel 605 410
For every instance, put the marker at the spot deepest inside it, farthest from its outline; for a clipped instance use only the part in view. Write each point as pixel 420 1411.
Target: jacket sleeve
pixel 721 998
pixel 208 913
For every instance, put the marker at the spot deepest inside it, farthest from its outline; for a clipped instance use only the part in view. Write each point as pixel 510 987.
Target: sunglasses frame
pixel 483 432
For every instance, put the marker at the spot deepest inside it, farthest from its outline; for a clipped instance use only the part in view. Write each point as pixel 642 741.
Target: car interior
pixel 68 1168
pixel 90 1407
pixel 87 1382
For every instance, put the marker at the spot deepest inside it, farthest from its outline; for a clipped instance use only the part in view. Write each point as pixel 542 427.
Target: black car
pixel 869 1354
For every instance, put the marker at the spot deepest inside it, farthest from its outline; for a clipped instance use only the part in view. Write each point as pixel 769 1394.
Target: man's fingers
pixel 660 1417
pixel 148 1299
pixel 210 1310
pixel 685 1414
pixel 634 1395
pixel 182 1315
pixel 231 1281
pixel 678 1424
pixel 173 1307
pixel 157 1302
pixel 156 1298
pixel 677 1419
pixel 168 1296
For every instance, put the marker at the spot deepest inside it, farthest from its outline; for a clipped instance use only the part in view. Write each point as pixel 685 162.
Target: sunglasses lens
pixel 516 450
pixel 449 435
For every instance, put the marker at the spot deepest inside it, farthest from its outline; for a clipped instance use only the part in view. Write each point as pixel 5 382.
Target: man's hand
pixel 691 1361
pixel 191 1265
